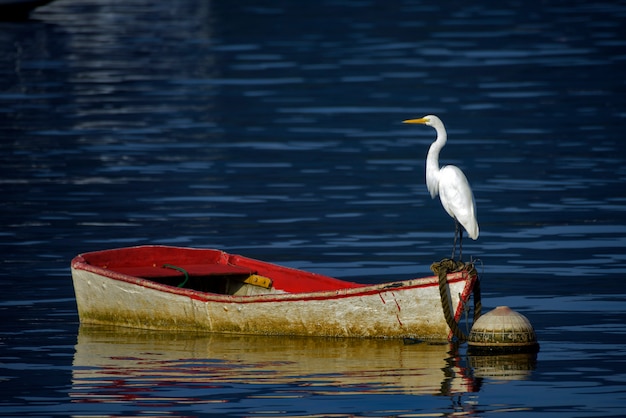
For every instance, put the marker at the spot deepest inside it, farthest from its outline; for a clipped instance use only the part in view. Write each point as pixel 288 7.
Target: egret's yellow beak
pixel 420 120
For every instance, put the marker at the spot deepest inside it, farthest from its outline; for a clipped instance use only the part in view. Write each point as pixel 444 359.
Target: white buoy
pixel 502 331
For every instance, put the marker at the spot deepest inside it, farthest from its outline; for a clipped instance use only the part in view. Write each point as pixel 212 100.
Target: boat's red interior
pixel 176 270
pixel 207 269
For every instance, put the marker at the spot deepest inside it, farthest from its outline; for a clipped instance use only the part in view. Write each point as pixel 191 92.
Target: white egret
pixel 450 184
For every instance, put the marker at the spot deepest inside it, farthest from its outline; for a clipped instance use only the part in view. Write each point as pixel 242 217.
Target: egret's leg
pixel 460 243
pixel 457 228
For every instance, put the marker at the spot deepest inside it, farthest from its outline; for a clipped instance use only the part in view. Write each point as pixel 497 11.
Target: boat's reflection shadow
pixel 119 364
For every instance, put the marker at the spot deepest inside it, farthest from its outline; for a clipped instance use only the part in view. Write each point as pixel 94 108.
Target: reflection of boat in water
pixel 114 364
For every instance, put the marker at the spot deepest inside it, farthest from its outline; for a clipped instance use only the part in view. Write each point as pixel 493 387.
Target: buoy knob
pixel 502 330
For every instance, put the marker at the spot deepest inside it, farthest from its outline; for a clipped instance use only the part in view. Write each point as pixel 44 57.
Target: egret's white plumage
pixel 450 184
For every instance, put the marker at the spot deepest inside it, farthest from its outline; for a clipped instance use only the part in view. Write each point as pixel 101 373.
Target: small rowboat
pixel 172 288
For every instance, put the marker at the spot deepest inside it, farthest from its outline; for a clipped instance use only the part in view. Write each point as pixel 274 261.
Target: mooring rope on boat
pixel 182 270
pixel 442 269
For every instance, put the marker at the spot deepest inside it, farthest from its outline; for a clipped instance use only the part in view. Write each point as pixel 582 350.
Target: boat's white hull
pixel 400 309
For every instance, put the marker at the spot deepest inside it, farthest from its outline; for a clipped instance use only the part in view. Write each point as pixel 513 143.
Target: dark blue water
pixel 272 129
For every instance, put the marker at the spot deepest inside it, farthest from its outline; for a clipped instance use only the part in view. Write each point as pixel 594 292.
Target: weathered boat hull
pixel 402 309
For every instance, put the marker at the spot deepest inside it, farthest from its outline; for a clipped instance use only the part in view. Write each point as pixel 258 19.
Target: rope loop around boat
pixel 442 269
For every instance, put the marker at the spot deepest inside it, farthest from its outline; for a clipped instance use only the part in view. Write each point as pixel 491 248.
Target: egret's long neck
pixel 432 161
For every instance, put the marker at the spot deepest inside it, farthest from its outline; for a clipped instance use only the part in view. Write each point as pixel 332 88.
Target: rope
pixel 442 269
pixel 182 270
pixel 478 303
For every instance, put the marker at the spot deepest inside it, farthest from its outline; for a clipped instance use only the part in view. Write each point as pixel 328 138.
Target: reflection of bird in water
pixel 450 184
